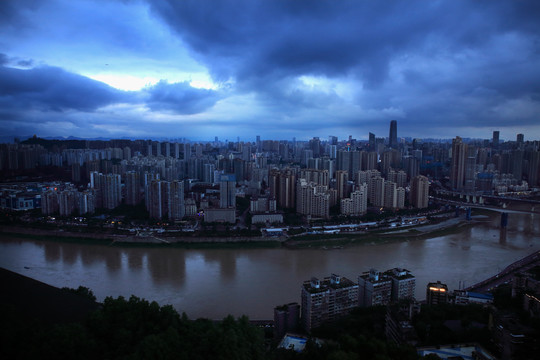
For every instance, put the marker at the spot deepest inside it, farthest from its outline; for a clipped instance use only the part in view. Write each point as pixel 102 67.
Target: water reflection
pixel 52 251
pixel 502 236
pixel 167 266
pixel 136 258
pixel 226 260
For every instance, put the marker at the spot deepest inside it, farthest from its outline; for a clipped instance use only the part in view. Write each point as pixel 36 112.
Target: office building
pixel 374 288
pixel 436 293
pixel 495 143
pixel 327 300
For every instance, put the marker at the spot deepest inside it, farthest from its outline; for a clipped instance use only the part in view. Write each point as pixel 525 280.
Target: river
pixel 213 283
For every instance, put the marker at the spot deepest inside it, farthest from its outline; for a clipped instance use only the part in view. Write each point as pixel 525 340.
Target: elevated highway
pixel 506 275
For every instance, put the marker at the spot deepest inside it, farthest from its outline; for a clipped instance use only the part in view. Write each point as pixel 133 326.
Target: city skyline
pixel 279 69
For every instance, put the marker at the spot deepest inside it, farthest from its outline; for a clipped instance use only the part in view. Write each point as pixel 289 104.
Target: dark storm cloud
pixel 471 62
pixel 53 89
pixel 248 39
pixel 180 98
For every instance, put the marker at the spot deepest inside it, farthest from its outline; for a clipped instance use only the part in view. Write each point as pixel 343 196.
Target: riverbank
pixel 336 241
pixel 189 243
pixel 373 237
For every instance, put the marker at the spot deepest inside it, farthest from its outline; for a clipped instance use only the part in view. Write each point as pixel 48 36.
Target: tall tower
pixel 419 194
pixel 457 170
pixel 496 139
pixel 392 138
pixel 227 191
pixel 342 178
pixel 176 200
pixel 133 188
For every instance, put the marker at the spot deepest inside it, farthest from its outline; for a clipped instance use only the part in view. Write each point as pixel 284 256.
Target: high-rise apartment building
pixel 403 283
pixel 376 191
pixel 400 197
pixel 356 205
pixel 320 177
pixel 176 207
pixel 533 169
pixel 392 138
pixel 457 168
pixel 227 191
pixel 187 151
pixel 436 293
pixel 286 319
pixel 374 288
pixel 312 199
pixel 133 188
pixel 157 204
pixel 342 179
pixel 419 193
pixel 390 195
pixel 470 169
pixel 327 300
pixel 108 189
pixel 282 184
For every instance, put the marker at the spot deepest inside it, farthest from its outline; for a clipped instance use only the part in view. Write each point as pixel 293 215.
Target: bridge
pixel 507 274
pixel 487 207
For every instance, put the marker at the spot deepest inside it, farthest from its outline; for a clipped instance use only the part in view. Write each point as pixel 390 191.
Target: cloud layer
pixel 273 68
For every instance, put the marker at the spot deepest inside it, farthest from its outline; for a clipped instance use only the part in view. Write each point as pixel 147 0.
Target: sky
pixel 197 69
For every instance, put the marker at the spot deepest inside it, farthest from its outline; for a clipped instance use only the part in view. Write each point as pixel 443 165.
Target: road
pixel 507 274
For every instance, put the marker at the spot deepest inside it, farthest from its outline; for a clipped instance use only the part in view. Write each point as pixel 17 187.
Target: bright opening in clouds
pixel 275 68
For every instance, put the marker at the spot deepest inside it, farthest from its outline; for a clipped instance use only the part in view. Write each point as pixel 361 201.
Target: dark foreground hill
pixel 34 300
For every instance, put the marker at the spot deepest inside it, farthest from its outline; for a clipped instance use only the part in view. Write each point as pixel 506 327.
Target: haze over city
pixel 279 69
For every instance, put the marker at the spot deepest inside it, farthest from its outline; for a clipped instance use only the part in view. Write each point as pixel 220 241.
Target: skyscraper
pixel 176 200
pixel 227 191
pixel 457 170
pixel 392 138
pixel 371 141
pixel 133 188
pixel 419 194
pixel 496 139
